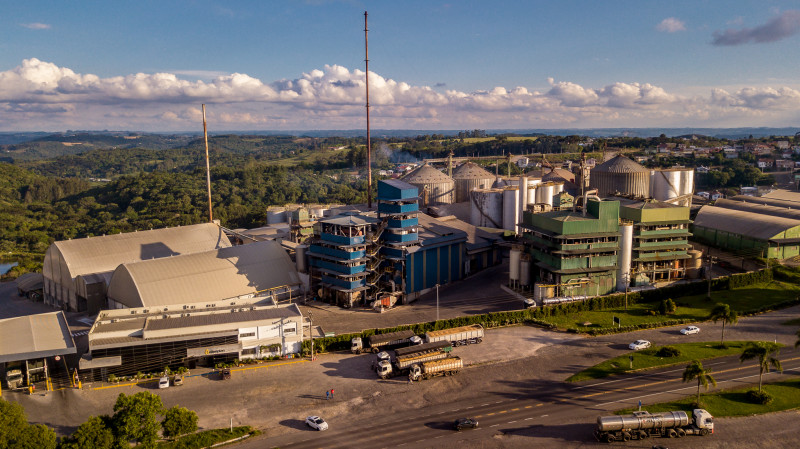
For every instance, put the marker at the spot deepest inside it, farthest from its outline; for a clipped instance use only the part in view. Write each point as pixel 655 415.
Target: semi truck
pixel 381 342
pixel 402 365
pixel 642 424
pixel 437 346
pixel 463 335
pixel 443 367
pixel 14 379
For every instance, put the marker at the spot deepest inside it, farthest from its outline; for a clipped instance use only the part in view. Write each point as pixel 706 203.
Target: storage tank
pixel 510 210
pixel 513 265
pixel 544 193
pixel 653 420
pixel 695 264
pixel 317 211
pixel 276 214
pixel 620 174
pixel 434 186
pixel 470 176
pixel 486 208
pixel 525 271
pixel 624 256
pixel 300 258
pixel 523 195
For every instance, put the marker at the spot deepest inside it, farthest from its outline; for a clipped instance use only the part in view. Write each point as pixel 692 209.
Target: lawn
pixel 785 394
pixel 647 359
pixel 693 308
pixel 207 438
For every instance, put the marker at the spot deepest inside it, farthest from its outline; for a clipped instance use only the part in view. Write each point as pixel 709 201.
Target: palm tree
pixel 764 352
pixel 695 370
pixel 724 313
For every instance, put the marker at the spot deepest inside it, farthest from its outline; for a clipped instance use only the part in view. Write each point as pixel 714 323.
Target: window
pixel 247 335
pixel 249 351
pixel 287 330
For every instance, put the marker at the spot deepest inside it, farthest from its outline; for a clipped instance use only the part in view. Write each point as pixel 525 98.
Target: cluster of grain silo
pixel 672 185
pixel 434 186
pixel 622 175
pixel 469 176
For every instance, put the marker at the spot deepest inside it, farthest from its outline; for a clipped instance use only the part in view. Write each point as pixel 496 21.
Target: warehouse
pixel 748 233
pixel 243 271
pixel 76 272
pixel 129 341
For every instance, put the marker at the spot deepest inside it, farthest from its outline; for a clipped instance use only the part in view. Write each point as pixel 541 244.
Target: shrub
pixel 759 397
pixel 668 351
pixel 666 307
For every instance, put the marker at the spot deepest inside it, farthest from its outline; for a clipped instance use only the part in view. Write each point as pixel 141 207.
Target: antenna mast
pixel 208 168
pixel 369 143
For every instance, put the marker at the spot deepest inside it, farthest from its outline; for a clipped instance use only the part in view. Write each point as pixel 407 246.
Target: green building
pixel 660 241
pixel 574 253
pixel 761 232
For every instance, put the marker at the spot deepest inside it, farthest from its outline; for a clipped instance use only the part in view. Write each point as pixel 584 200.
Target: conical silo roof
pixel 426 175
pixel 471 170
pixel 620 164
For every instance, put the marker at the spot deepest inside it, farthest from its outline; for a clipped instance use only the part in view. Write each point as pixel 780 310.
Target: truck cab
pixel 356 346
pixel 384 356
pixel 14 379
pixel 703 421
pixel 384 369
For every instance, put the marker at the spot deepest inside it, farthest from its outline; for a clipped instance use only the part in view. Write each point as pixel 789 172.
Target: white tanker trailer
pixel 642 424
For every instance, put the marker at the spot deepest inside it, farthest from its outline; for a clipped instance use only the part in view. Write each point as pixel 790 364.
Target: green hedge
pixel 535 315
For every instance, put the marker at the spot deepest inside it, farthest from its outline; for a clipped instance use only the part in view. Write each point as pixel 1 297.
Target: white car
pixel 639 344
pixel 315 422
pixel 163 382
pixel 690 330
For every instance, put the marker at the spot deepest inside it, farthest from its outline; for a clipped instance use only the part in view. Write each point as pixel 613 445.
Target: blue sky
pixel 271 65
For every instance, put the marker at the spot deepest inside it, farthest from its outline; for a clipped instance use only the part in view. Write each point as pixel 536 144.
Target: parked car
pixel 529 303
pixel 163 382
pixel 639 344
pixel 315 422
pixel 690 330
pixel 177 380
pixel 225 374
pixel 465 423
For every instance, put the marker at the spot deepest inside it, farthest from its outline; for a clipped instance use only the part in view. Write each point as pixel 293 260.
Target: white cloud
pixel 36 26
pixel 671 25
pixel 39 95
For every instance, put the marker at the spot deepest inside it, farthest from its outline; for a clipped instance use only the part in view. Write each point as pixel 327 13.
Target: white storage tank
pixel 513 265
pixel 525 271
pixel 486 208
pixel 625 256
pixel 510 210
pixel 544 193
pixel 276 214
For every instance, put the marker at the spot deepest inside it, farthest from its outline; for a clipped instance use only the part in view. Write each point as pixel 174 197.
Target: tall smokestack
pixel 208 166
pixel 369 143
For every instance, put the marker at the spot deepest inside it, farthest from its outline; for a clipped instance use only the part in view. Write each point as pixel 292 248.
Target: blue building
pixel 358 257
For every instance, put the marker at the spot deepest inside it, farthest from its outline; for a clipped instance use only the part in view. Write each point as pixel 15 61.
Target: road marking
pixel 455 410
pixel 539 405
pixel 544 416
pixel 440 436
pixel 514 409
pixel 528 406
pixel 494 425
pixel 511 422
pixel 484 405
pixel 79 333
pixel 499 402
pixel 469 407
pixel 504 411
pixel 527 419
pixel 490 414
pixel 646 375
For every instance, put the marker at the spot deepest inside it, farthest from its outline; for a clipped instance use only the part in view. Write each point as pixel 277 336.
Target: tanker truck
pixel 642 424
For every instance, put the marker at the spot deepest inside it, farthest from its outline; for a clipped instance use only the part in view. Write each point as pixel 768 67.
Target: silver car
pixel 639 344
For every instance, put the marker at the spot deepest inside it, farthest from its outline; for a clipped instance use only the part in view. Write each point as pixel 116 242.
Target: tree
pixel 15 432
pixel 722 312
pixel 765 353
pixel 695 370
pixel 94 433
pixel 135 419
pixel 667 307
pixel 179 421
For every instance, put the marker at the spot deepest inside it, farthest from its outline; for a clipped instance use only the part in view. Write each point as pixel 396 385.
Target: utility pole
pixel 208 168
pixel 311 333
pixel 708 272
pixel 437 302
pixel 369 144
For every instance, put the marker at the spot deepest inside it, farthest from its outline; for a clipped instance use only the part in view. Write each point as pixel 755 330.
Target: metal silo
pixel 486 208
pixel 625 256
pixel 470 176
pixel 510 209
pixel 513 265
pixel 276 214
pixel 620 174
pixel 435 187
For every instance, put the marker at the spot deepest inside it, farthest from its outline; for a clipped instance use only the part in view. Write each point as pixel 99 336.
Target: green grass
pixel 207 438
pixel 695 308
pixel 785 394
pixel 647 359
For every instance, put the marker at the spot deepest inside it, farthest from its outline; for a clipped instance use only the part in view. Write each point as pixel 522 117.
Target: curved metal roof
pixel 471 170
pixel 620 164
pixel 426 175
pixel 759 208
pixel 749 224
pixel 203 277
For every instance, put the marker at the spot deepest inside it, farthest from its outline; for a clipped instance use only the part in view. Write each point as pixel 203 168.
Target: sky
pixel 457 64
